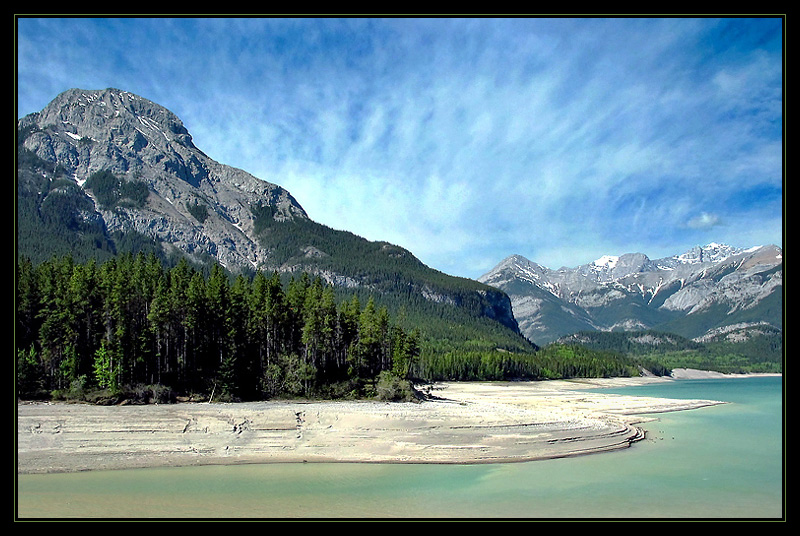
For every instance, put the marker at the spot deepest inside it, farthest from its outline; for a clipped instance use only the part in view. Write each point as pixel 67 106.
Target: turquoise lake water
pixel 720 462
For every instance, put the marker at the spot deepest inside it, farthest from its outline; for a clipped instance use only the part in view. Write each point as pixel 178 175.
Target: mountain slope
pixel 106 171
pixel 737 348
pixel 689 294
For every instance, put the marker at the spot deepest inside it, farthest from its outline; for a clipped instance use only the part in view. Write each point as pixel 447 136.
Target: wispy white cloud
pixel 464 140
pixel 704 221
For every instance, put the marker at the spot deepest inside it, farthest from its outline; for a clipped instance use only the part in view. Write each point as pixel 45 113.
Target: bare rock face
pixel 137 140
pixel 708 287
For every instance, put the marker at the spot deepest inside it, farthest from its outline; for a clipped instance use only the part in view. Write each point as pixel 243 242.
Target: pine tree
pixel 105 370
pixel 348 331
pixel 28 299
pixel 158 323
pixel 329 332
pixel 241 356
pixel 219 321
pixel 194 322
pixel 54 314
pixel 86 323
pixel 369 341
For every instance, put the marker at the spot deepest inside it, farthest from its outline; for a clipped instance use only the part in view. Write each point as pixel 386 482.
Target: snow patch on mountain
pixel 606 261
pixel 631 291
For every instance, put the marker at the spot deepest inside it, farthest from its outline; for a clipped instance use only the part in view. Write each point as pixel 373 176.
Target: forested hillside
pixel 57 216
pixel 747 348
pixel 129 322
pixel 131 328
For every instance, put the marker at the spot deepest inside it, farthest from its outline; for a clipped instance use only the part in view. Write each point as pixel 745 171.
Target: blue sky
pixel 466 140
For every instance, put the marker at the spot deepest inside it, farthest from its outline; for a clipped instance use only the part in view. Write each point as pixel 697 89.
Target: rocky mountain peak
pixel 611 267
pixel 100 114
pixel 714 284
pixel 709 253
pixel 194 203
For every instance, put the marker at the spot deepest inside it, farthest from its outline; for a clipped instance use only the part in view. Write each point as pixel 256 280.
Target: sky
pixel 465 140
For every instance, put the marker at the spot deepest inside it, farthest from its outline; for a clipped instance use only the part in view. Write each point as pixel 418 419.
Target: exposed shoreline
pixel 470 422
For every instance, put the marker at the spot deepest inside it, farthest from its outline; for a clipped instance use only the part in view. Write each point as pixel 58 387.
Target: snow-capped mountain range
pixel 689 293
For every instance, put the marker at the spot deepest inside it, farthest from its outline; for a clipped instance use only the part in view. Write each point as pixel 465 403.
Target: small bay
pixel 717 462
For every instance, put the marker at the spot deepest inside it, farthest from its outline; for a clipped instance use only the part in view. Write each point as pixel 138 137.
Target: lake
pixel 719 462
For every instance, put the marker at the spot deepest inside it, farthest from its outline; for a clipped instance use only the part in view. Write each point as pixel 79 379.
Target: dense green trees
pixel 755 349
pixel 130 322
pixel 111 191
pixel 132 326
pixel 551 362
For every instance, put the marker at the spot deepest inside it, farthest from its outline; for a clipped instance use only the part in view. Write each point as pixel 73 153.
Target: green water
pixel 717 462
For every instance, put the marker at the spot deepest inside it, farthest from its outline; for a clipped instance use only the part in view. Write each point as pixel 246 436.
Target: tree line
pixel 131 325
pixel 758 350
pixel 555 361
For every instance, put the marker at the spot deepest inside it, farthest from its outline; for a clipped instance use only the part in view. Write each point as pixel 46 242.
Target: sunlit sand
pixel 462 423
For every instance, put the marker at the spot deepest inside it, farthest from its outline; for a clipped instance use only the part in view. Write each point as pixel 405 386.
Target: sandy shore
pixel 694 374
pixel 467 423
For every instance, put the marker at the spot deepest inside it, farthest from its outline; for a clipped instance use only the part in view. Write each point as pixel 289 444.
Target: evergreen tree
pixel 54 317
pixel 105 370
pixel 28 300
pixel 158 317
pixel 194 321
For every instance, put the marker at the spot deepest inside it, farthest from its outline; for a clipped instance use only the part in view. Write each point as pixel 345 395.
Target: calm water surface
pixel 719 462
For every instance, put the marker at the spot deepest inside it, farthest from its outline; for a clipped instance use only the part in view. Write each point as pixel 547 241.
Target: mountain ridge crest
pixel 706 287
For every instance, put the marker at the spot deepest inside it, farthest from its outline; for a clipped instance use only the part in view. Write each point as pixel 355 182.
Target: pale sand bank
pixel 467 423
pixel 694 374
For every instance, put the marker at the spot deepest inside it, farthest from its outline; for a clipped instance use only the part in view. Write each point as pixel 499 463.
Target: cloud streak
pixel 704 221
pixel 466 140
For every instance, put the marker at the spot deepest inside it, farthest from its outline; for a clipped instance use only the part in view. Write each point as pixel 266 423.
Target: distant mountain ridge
pixel 100 172
pixel 705 288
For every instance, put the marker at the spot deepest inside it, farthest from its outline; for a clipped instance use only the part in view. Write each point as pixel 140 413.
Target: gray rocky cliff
pixel 137 140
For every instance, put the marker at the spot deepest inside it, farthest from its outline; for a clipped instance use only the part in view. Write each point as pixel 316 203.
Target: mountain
pixel 193 204
pixel 690 294
pixel 737 348
pixel 103 172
